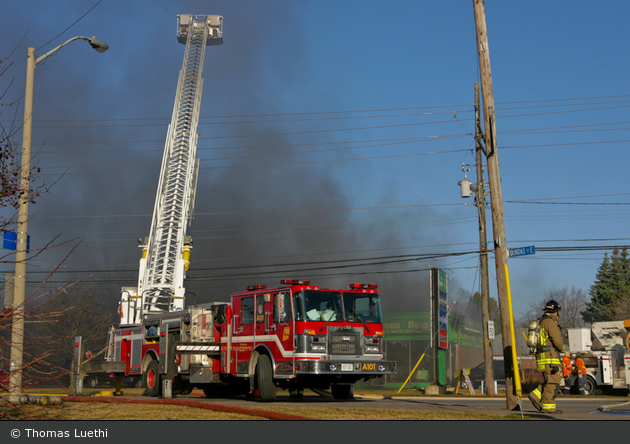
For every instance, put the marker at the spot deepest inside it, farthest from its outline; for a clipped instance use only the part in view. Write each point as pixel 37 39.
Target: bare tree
pixel 571 300
pixel 37 312
pixel 10 148
pixel 42 311
pixel 77 311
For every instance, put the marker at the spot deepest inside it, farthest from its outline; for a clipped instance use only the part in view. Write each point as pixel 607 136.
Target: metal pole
pixel 17 326
pixel 17 329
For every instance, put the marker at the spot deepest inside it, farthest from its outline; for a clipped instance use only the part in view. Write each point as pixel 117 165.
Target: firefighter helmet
pixel 551 307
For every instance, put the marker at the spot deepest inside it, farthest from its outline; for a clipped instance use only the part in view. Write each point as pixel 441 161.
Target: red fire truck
pixel 293 337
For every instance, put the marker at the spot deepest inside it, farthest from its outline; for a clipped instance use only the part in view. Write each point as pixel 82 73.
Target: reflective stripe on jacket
pixel 550 343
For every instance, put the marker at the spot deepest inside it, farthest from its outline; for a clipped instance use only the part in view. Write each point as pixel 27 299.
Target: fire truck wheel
pixel 92 381
pixel 151 379
pixel 342 391
pixel 264 379
pixel 590 386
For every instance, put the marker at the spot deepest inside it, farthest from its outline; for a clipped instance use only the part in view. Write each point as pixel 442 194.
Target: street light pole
pixel 17 326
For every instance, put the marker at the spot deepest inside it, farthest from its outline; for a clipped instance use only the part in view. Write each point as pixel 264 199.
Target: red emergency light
pixel 294 282
pixel 256 287
pixel 359 286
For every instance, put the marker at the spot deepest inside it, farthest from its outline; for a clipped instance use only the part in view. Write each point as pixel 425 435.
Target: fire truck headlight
pixel 371 348
pixel 317 344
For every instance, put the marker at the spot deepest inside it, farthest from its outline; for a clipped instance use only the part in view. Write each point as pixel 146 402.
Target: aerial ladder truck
pixel 294 336
pixel 166 252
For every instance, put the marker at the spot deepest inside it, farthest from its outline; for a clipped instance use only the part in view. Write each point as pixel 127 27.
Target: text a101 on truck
pixel 294 337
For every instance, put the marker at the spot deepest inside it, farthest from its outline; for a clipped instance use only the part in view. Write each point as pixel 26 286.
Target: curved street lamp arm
pixel 99 45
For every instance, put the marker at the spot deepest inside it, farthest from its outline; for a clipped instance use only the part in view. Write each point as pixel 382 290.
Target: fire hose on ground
pixel 56 400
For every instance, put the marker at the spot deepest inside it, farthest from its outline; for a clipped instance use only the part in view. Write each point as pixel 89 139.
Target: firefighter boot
pixel 536 402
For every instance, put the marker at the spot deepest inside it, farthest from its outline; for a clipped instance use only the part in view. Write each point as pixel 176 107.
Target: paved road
pixel 573 408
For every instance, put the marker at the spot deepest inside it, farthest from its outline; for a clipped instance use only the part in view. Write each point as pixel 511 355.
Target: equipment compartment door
pixel 262 318
pixel 243 337
pixel 281 323
pixel 125 354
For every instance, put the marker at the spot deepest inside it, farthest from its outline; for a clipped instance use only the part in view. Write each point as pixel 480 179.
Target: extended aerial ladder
pixel 166 252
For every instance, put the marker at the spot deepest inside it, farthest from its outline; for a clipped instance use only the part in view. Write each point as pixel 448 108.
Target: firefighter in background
pixel 580 372
pixel 567 373
pixel 550 345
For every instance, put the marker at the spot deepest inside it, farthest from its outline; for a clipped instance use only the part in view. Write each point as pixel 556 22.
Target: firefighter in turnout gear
pixel 550 345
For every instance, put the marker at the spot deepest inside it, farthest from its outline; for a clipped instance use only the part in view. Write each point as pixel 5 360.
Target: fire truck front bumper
pixel 341 367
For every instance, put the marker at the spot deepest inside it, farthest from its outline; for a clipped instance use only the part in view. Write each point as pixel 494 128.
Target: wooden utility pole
pixel 496 198
pixel 483 246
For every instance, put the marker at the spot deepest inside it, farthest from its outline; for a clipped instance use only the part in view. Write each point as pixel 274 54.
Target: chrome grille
pixel 344 342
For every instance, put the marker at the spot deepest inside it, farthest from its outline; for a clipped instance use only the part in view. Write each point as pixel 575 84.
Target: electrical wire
pixel 304 267
pixel 77 21
pixel 466 105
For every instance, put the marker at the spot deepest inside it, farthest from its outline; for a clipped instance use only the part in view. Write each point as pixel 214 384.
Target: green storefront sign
pixel 398 326
pixel 408 336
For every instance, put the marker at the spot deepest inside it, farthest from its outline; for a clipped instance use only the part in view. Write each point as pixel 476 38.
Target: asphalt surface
pixel 573 408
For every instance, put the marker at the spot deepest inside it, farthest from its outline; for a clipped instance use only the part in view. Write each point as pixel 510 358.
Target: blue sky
pixel 332 132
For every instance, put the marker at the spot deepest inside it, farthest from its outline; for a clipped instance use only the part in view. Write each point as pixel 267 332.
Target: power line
pixel 306 269
pixel 567 197
pixel 65 127
pixel 389 142
pixel 77 21
pixel 467 105
pixel 300 210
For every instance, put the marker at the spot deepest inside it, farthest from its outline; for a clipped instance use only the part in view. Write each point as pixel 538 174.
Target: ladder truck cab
pixel 605 350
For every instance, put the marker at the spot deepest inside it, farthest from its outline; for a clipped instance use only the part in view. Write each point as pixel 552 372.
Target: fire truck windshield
pixel 314 305
pixel 362 307
pixel 330 306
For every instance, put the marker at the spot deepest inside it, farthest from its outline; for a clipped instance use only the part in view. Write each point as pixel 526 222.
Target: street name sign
pixel 523 251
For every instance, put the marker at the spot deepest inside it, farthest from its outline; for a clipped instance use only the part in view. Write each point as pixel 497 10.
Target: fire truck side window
pixel 247 311
pixel 281 308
